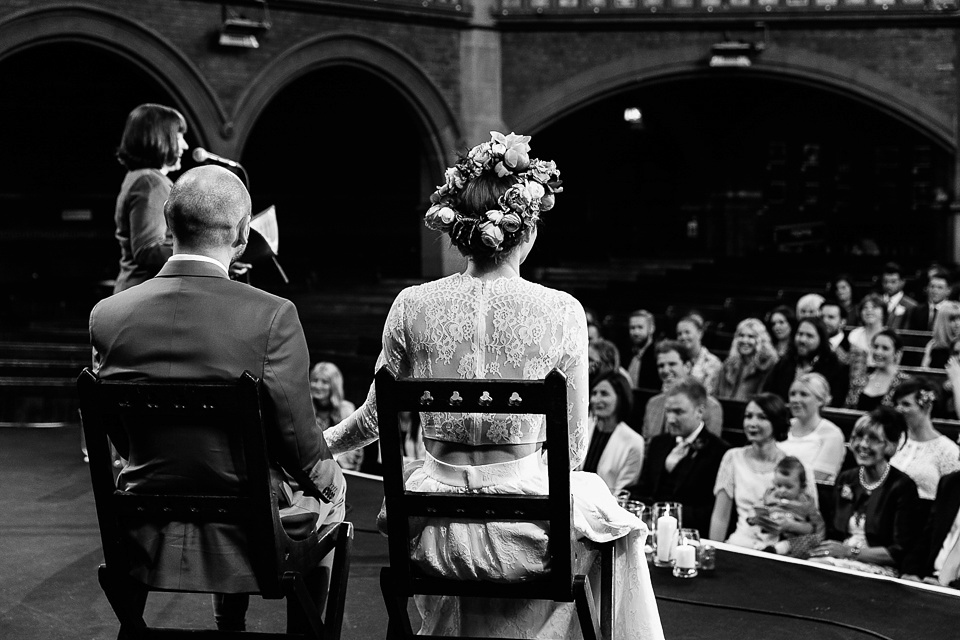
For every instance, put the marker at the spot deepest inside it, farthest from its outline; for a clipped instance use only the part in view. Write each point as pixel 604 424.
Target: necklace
pixel 873 487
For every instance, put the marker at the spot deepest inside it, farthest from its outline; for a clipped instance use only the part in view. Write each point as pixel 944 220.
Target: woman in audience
pixel 604 357
pixel 150 148
pixel 615 452
pixel 842 290
pixel 782 324
pixel 950 403
pixel 946 329
pixel 748 364
pixel 746 472
pixel 816 441
pixel 926 455
pixel 488 322
pixel 877 518
pixel 330 407
pixel 706 366
pixel 869 388
pixel 873 313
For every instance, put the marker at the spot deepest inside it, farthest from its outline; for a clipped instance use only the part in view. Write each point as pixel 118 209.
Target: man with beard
pixel 643 363
pixel 832 315
pixel 810 352
pixel 192 322
pixel 673 364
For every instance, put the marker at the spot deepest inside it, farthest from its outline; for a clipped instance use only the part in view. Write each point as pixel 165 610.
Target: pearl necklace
pixel 873 487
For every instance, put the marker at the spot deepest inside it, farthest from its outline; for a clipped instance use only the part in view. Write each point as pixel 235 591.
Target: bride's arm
pixel 574 364
pixel 361 427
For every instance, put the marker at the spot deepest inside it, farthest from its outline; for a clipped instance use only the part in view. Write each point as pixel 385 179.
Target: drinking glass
pixel 667 521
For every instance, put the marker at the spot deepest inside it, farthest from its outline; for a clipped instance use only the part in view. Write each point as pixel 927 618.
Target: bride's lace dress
pixel 464 327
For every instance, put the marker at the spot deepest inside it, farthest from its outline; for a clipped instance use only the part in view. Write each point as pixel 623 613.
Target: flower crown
pixel 519 208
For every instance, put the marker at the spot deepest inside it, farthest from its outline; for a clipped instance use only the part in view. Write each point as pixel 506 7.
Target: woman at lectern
pixel 151 147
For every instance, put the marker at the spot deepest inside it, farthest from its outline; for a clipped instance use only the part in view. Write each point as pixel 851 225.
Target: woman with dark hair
pixel 841 288
pixel 873 315
pixel 488 322
pixel 878 517
pixel 926 455
pixel 810 353
pixel 869 388
pixel 150 148
pixel 615 452
pixel 746 472
pixel 781 323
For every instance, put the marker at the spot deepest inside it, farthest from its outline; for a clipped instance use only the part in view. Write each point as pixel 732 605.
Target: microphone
pixel 202 155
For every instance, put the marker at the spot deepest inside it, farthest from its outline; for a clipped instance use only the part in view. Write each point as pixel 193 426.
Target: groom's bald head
pixel 208 209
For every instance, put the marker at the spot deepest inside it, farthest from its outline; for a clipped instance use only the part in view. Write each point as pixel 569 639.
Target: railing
pixel 626 8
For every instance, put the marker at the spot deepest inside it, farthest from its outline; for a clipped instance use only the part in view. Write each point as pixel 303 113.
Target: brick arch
pixel 153 53
pixel 785 63
pixel 442 133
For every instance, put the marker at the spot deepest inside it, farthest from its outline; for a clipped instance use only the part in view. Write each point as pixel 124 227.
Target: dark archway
pixel 341 154
pixel 64 109
pixel 758 163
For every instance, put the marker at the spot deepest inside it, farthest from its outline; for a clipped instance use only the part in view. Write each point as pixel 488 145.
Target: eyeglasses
pixel 868 438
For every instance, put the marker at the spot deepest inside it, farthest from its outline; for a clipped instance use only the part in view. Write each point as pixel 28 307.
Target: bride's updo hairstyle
pixel 493 197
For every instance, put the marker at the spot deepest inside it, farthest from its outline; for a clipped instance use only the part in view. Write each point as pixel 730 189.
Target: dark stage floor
pixel 50 549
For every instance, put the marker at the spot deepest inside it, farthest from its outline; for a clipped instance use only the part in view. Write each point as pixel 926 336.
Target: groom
pixel 192 321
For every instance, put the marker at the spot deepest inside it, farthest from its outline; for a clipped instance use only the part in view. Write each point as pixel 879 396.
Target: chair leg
pixel 396 604
pixel 586 611
pixel 608 579
pixel 128 599
pixel 339 573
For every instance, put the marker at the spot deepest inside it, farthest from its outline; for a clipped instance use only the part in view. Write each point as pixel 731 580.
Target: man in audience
pixel 899 306
pixel 192 321
pixel 938 288
pixel 673 364
pixel 810 352
pixel 682 463
pixel 643 364
pixel 936 559
pixel 832 315
pixel 808 306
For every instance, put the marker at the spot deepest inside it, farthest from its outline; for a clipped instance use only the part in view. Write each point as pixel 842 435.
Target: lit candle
pixel 687 556
pixel 666 533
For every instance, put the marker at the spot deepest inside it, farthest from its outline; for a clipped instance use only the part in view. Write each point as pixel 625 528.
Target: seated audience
pixel 877 517
pixel 816 441
pixel 682 462
pixel 946 329
pixel 842 290
pixel 615 451
pixel 936 558
pixel 705 366
pixel 937 290
pixel 746 472
pixel 643 362
pixel 872 317
pixel 899 306
pixel 603 357
pixel 787 514
pixel 833 319
pixel 810 353
pixel 926 455
pixel 673 363
pixel 781 324
pixel 750 360
pixel 808 306
pixel 871 387
pixel 593 325
pixel 950 402
pixel 326 391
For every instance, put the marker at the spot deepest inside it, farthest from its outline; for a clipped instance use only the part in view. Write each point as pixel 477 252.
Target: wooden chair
pixel 280 564
pixel 402 578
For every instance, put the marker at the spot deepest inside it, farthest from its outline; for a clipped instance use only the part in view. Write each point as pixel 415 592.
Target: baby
pixel 791 520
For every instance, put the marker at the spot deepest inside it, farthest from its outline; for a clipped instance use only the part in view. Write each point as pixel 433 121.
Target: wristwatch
pixel 854 552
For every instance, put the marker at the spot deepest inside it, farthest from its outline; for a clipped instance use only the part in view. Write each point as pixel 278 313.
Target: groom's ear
pixel 243 231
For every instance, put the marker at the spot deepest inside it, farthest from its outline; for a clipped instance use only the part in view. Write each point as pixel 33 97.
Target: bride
pixel 484 323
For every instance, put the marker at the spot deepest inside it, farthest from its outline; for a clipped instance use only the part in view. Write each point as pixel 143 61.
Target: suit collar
pixel 196 268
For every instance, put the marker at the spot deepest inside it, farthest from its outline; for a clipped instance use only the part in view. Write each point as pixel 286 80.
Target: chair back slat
pixel 230 411
pixel 544 397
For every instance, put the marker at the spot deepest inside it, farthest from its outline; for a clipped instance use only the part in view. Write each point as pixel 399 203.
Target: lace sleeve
pixel 725 481
pixel 573 363
pixel 361 427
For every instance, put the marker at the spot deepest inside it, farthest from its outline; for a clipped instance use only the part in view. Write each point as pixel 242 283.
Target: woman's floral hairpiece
pixel 926 398
pixel 520 207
